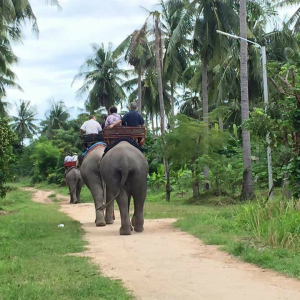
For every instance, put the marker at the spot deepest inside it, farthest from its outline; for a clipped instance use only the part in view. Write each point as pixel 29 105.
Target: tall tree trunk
pixel 205 112
pixel 221 124
pixel 158 59
pixel 286 191
pixel 152 122
pixel 247 190
pixel 140 90
pixel 172 102
pixel 156 122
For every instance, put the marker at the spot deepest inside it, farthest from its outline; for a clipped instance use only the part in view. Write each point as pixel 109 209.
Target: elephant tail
pixel 124 176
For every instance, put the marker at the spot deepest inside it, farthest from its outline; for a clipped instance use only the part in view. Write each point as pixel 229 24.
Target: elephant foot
pixel 125 230
pixel 100 223
pixel 109 222
pixel 135 224
pixel 76 202
pixel 139 228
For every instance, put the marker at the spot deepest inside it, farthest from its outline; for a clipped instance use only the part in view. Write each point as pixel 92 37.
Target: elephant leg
pixel 122 200
pixel 78 191
pixel 129 199
pixel 72 189
pixel 109 213
pixel 137 220
pixel 97 194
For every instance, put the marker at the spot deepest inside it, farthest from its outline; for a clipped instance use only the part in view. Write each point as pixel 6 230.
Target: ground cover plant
pixel 34 260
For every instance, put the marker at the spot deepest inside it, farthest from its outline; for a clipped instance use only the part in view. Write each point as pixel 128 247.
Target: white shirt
pixel 68 158
pixel 91 127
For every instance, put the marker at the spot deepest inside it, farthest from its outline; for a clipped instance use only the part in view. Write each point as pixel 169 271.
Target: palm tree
pixel 158 58
pixel 175 60
pixel 294 21
pixel 201 20
pixel 23 123
pixel 191 106
pixel 4 106
pixel 138 54
pixel 102 78
pixel 56 118
pixel 247 189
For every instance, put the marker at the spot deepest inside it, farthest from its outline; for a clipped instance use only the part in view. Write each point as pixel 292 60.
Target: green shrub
pixel 7 138
pixel 276 224
pixel 45 157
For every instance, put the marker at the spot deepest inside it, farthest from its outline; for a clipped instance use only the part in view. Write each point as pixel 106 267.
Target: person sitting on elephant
pixel 68 158
pixel 104 120
pixel 113 119
pixel 91 132
pixel 133 118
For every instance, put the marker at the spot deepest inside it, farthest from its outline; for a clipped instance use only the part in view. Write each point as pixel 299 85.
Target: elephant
pixel 75 183
pixel 91 176
pixel 124 169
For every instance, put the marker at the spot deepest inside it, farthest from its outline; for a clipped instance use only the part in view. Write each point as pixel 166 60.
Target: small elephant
pixel 75 183
pixel 124 170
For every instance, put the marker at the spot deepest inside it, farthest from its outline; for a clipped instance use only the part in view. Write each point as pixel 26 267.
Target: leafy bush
pixel 7 138
pixel 45 157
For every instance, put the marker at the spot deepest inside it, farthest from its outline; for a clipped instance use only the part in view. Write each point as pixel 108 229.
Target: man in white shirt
pixel 68 158
pixel 90 127
pixel 91 132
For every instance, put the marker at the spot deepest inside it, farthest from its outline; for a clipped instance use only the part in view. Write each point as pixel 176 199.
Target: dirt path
pixel 164 263
pixel 40 196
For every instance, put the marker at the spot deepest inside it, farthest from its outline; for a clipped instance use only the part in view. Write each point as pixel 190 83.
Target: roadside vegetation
pixel 38 260
pixel 209 160
pixel 266 234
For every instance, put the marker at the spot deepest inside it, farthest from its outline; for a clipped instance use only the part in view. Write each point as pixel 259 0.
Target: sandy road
pixel 164 263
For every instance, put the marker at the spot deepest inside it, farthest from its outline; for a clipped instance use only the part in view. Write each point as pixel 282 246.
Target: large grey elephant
pixel 124 170
pixel 90 173
pixel 75 183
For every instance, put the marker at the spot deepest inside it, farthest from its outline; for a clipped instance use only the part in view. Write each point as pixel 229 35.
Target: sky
pixel 48 64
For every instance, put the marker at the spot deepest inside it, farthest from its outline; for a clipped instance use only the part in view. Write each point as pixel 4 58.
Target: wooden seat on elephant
pixel 118 132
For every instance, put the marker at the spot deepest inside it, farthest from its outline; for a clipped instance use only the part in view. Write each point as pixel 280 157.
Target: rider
pixel 104 120
pixel 113 119
pixel 91 131
pixel 133 118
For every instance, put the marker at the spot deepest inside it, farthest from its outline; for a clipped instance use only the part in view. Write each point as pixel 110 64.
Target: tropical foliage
pixel 23 123
pixel 200 93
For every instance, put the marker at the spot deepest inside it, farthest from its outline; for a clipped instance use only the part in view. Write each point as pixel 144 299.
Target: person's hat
pixel 133 105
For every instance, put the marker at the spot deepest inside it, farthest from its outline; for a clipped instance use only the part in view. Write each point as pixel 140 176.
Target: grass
pixel 34 260
pixel 86 196
pixel 268 236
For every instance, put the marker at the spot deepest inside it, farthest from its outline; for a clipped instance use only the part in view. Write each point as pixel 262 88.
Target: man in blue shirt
pixel 133 118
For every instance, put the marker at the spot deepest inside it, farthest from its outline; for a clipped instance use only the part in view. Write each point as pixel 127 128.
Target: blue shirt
pixel 132 119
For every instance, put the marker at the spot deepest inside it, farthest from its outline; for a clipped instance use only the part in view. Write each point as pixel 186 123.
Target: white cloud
pixel 48 64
